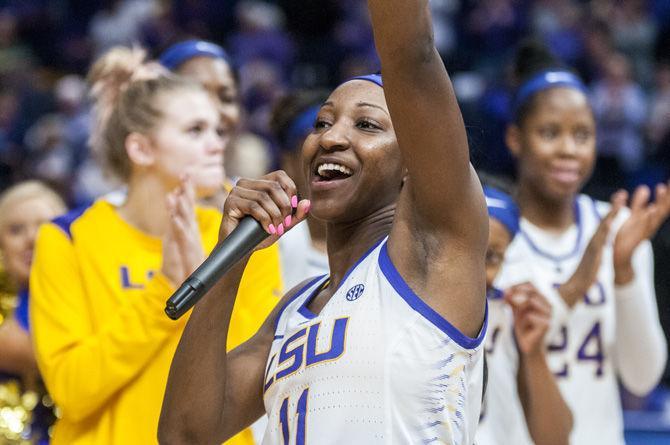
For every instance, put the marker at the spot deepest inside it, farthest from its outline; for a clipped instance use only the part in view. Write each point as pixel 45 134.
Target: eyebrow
pixel 358 104
pixel 367 104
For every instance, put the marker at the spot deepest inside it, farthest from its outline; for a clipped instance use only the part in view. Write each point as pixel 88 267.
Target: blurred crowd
pixel 622 49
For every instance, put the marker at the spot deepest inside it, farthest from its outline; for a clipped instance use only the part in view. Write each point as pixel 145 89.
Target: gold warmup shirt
pixel 102 340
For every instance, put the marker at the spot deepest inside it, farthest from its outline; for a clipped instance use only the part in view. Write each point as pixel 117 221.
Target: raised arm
pixel 440 230
pixel 445 192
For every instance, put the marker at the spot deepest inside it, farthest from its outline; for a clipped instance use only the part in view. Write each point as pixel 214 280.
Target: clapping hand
pixel 587 271
pixel 645 218
pixel 182 244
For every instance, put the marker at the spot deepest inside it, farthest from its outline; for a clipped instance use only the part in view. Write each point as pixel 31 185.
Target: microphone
pixel 242 240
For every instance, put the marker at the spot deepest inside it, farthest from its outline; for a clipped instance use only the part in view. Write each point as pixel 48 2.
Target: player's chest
pixel 313 351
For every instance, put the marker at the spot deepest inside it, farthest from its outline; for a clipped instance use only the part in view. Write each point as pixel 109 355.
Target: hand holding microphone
pixel 256 214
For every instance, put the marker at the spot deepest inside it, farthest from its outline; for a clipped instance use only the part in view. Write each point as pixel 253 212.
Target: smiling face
pixel 18 231
pixel 351 159
pixel 555 144
pixel 188 140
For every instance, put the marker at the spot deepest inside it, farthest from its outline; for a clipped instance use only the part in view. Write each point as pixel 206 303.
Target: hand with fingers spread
pixel 645 219
pixel 583 278
pixel 271 200
pixel 182 245
pixel 532 315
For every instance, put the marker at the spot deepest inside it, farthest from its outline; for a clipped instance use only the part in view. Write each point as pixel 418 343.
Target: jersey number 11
pixel 301 412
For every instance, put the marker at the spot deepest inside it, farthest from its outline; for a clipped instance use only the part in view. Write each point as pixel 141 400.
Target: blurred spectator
pixel 14 55
pixel 27 412
pixel 634 33
pixel 119 23
pixel 56 143
pixel 444 25
pixel 312 23
pixel 49 156
pixel 560 24
pixel 658 125
pixel 353 34
pixel 249 157
pixel 263 53
pixel 494 27
pixel 620 108
pixel 597 49
pixel 8 113
pixel 261 35
pixel 160 30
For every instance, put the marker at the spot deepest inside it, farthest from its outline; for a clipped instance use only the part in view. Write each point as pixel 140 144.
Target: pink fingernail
pixel 287 221
pixel 294 202
pixel 308 206
pixel 272 229
pixel 280 229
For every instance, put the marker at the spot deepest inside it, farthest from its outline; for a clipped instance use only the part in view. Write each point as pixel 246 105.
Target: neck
pixel 145 206
pixel 317 234
pixel 347 242
pixel 544 212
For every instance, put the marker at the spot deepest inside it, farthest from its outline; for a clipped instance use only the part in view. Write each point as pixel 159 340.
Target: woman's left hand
pixel 532 317
pixel 182 245
pixel 645 218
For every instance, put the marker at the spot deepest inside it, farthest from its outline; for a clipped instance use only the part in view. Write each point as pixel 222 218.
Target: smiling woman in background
pixel 102 274
pixel 610 334
pixel 23 208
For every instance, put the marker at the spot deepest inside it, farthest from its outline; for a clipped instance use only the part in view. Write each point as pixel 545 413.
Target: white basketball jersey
pixel 376 366
pixel 581 341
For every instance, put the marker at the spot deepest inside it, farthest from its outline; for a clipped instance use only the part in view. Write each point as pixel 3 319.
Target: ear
pixel 140 149
pixel 513 139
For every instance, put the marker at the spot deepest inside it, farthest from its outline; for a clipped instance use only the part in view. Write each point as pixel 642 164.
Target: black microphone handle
pixel 242 240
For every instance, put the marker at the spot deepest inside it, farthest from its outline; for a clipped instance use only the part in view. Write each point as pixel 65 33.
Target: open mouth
pixel 565 175
pixel 332 172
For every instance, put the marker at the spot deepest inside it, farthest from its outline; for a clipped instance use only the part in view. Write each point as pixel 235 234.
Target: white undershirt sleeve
pixel 640 350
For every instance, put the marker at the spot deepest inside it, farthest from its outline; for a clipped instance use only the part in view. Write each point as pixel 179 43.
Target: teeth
pixel 337 167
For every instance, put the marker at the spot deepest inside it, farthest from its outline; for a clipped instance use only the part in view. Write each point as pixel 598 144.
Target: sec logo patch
pixel 355 292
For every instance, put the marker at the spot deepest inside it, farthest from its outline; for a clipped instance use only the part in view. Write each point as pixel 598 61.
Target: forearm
pixel 17 352
pixel 399 38
pixel 83 369
pixel 548 417
pixel 640 346
pixel 427 120
pixel 194 403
